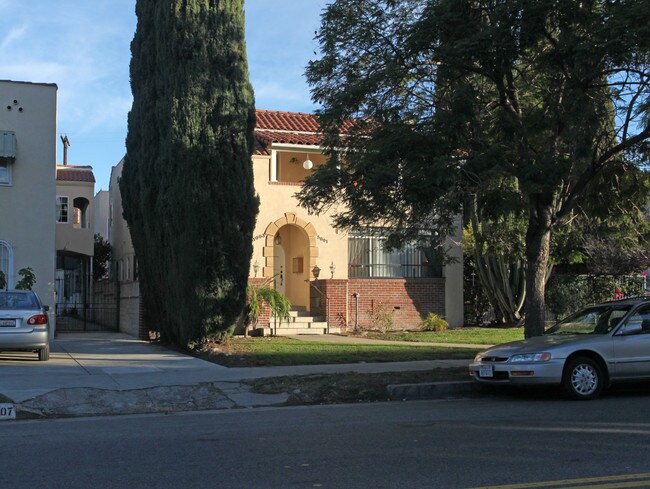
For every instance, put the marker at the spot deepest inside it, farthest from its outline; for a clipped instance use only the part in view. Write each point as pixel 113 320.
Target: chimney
pixel 66 144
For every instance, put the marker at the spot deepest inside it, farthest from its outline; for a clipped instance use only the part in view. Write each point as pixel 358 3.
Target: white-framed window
pixel 7 262
pixel 5 171
pixel 62 209
pixel 368 258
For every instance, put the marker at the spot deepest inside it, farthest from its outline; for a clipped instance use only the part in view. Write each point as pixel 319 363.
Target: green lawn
pixel 476 336
pixel 276 351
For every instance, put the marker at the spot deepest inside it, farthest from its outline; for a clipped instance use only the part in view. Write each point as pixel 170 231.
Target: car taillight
pixel 38 319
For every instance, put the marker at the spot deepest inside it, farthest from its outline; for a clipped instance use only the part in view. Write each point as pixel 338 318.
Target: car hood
pixel 536 344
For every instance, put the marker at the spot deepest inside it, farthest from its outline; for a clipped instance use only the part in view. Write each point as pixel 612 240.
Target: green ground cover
pixel 476 336
pixel 278 351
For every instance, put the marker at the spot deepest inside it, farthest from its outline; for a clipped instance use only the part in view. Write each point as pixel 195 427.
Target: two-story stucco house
pixel 75 208
pixel 344 277
pixel 336 280
pixel 28 114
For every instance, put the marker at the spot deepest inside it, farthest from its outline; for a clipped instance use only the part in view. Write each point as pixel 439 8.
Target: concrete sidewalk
pixel 113 373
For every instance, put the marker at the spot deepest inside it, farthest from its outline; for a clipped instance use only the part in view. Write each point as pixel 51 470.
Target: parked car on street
pixel 24 324
pixel 583 353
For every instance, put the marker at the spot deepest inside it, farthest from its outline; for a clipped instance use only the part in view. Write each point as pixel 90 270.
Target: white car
pixel 584 353
pixel 24 323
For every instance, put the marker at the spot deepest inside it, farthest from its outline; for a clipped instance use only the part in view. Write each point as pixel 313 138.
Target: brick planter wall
pixel 409 300
pixel 265 318
pixel 334 290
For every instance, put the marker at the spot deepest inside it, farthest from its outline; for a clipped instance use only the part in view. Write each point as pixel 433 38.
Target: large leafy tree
pixel 448 97
pixel 187 184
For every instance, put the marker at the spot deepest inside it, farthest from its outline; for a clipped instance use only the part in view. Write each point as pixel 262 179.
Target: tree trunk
pixel 538 246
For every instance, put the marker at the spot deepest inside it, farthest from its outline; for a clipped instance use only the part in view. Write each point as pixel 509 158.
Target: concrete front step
pixel 289 329
pixel 300 322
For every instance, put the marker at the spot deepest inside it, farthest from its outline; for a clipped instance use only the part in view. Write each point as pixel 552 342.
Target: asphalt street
pixel 508 441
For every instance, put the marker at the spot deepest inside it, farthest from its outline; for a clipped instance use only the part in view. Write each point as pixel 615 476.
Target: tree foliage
pixel 278 304
pixel 27 279
pixel 449 98
pixel 187 183
pixel 102 253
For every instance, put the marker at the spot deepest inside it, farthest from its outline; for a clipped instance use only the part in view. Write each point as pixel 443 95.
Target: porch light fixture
pixel 277 240
pixel 315 271
pixel 332 269
pixel 256 268
pixel 308 164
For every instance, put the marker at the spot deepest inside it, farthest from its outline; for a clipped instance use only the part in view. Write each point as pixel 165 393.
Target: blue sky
pixel 84 47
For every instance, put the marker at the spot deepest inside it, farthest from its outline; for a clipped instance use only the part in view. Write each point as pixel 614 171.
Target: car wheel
pixel 583 378
pixel 44 354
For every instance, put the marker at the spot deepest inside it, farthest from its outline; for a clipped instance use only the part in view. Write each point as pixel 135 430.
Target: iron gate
pixel 98 312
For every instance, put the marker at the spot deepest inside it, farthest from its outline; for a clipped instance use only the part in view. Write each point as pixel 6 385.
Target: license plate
pixel 7 323
pixel 486 371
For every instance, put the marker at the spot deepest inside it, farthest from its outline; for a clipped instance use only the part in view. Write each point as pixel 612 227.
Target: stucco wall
pixel 69 237
pixel 118 230
pixel 305 237
pixel 129 321
pixel 101 213
pixel 28 204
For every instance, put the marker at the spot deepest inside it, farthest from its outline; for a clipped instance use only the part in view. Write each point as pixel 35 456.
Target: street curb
pixel 434 390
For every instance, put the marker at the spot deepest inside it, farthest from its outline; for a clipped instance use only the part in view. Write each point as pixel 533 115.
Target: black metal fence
pixel 99 312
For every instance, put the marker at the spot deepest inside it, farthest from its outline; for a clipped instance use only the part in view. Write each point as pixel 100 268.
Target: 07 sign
pixel 7 411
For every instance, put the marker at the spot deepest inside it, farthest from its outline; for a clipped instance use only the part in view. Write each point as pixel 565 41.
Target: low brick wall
pixel 408 300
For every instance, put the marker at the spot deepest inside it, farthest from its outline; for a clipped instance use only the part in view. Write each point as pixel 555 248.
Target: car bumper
pixel 520 373
pixel 29 340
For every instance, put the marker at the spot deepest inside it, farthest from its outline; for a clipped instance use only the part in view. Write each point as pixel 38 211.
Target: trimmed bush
pixel 433 322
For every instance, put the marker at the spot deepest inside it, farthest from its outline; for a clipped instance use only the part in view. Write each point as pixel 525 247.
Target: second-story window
pixel 80 213
pixel 62 209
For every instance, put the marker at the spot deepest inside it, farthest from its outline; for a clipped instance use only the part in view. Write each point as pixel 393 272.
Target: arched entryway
pixel 290 254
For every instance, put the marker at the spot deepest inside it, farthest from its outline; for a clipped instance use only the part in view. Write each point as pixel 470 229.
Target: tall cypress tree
pixel 187 182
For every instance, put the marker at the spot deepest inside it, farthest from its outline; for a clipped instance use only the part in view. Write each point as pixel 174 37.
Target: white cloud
pixel 13 35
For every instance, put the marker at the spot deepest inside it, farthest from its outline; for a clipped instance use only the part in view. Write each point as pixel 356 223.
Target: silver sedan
pixel 24 324
pixel 584 353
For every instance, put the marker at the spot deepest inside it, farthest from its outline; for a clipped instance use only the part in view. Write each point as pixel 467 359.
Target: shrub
pixel 381 318
pixel 566 294
pixel 433 322
pixel 27 279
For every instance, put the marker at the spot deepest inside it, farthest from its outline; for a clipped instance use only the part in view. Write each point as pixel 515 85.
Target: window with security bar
pixel 368 257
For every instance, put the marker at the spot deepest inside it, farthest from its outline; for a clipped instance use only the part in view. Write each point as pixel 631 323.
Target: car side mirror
pixel 46 308
pixel 632 327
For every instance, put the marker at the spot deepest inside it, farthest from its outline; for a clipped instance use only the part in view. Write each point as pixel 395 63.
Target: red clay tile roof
pixel 286 121
pixel 71 173
pixel 285 128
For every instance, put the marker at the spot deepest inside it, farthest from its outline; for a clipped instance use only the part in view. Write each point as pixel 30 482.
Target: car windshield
pixel 593 320
pixel 17 300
